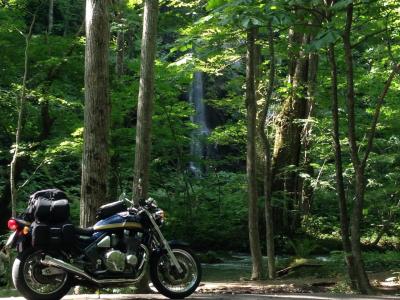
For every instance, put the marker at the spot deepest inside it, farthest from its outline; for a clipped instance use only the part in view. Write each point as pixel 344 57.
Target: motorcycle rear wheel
pixel 166 278
pixel 29 280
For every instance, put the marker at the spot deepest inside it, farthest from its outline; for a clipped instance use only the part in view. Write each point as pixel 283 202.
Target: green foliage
pixel 210 211
pixel 303 248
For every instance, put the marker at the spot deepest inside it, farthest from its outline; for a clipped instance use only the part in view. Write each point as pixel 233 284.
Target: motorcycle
pixel 54 255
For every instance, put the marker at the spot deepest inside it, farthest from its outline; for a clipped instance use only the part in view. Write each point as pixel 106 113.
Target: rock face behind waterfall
pixel 198 146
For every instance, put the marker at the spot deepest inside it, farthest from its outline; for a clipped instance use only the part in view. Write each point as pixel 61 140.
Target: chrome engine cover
pixel 115 260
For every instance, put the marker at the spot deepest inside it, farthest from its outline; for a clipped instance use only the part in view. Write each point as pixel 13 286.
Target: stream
pixel 239 266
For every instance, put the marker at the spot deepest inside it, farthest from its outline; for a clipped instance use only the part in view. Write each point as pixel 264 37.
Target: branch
pixel 378 107
pixel 317 13
pixel 30 177
pixel 389 43
pixel 367 36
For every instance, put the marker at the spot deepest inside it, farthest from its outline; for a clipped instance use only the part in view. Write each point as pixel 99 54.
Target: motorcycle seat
pixel 84 231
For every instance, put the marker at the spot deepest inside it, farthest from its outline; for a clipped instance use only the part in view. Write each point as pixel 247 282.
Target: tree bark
pixel 306 188
pixel 18 133
pixel 267 158
pixel 251 107
pixel 97 111
pixel 287 147
pixel 145 101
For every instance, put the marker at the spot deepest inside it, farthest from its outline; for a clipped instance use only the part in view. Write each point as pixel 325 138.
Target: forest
pixel 263 128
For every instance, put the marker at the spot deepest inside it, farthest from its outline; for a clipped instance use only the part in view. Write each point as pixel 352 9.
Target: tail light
pixel 12 225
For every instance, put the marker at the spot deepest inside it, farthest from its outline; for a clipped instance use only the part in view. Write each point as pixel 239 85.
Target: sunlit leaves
pixel 229 134
pixel 134 3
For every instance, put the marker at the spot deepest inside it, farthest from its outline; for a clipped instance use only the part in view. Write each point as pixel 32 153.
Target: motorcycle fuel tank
pixel 123 220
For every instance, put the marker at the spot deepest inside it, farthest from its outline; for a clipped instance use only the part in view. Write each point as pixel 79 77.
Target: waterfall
pixel 198 147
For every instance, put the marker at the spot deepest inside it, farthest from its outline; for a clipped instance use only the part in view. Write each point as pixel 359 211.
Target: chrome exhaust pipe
pixel 58 263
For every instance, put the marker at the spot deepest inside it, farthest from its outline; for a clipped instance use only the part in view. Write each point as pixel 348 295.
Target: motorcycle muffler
pixel 58 263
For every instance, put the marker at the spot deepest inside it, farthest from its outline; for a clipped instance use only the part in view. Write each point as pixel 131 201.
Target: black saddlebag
pixel 51 194
pixel 51 211
pixel 110 209
pixel 39 208
pixel 55 236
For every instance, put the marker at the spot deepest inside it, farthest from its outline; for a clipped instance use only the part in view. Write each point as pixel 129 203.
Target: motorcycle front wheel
pixel 36 281
pixel 166 278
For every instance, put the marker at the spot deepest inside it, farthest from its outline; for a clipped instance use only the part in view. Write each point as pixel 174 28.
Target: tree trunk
pixel 145 101
pixel 363 284
pixel 251 106
pixel 46 120
pixel 66 13
pixel 341 194
pixel 306 188
pixel 119 65
pixel 267 158
pixel 22 100
pixel 97 111
pixel 51 16
pixel 119 60
pixel 144 112
pixel 287 147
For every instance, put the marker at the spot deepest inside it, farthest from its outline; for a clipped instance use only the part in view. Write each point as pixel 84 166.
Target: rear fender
pixel 18 241
pixel 22 242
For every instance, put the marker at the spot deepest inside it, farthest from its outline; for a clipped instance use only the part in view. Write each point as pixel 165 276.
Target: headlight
pixel 160 216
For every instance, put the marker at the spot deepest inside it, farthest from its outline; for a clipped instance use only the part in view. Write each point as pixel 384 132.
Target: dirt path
pixel 297 289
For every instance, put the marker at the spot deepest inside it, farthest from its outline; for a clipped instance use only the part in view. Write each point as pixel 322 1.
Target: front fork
pixel 164 242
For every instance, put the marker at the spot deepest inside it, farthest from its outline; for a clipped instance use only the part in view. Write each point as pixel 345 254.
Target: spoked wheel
pixel 166 278
pixel 36 281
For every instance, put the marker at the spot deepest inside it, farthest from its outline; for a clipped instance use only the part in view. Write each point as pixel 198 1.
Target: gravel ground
pixel 226 297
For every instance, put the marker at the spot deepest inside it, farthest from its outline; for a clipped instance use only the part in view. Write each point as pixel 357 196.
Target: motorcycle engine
pixel 114 260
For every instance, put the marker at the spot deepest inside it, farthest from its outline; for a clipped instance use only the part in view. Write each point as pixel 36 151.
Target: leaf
pixel 213 4
pixel 341 5
pixel 324 38
pixel 245 22
pixel 256 22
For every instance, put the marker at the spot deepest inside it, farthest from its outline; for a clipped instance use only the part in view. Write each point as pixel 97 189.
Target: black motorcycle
pixel 54 255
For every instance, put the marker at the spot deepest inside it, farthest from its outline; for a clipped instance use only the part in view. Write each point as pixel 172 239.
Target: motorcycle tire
pixel 163 274
pixel 20 275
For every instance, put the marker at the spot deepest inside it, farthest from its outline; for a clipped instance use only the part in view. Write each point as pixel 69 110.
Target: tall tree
pixel 340 188
pixel 97 111
pixel 266 145
pixel 18 133
pixel 361 276
pixel 287 147
pixel 359 163
pixel 145 101
pixel 251 106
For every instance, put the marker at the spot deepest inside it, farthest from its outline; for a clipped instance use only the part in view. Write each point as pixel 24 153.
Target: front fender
pixel 175 243
pixel 172 244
